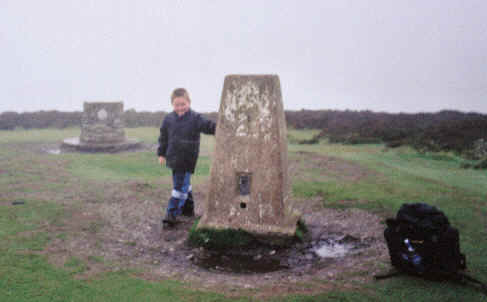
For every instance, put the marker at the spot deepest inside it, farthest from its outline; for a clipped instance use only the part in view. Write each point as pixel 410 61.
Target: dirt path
pixel 129 234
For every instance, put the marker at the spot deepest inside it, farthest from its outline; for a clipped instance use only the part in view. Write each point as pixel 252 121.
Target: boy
pixel 179 144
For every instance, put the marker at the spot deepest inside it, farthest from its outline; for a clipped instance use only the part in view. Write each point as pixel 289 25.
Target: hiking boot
pixel 188 211
pixel 169 221
pixel 188 208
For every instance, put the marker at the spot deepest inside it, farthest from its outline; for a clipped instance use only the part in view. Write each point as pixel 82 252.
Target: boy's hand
pixel 162 160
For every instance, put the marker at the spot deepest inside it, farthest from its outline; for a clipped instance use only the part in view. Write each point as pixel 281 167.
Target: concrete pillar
pixel 249 186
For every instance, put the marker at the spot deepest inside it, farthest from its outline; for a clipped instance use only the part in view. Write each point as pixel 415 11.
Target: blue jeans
pixel 181 189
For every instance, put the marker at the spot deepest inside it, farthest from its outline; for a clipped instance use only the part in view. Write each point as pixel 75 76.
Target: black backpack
pixel 422 242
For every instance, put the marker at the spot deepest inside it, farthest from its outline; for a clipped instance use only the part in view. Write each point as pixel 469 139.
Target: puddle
pixel 54 151
pixel 264 259
pixel 50 149
pixel 338 246
pixel 240 264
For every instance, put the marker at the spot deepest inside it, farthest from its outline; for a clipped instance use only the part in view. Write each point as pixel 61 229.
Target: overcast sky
pixel 393 56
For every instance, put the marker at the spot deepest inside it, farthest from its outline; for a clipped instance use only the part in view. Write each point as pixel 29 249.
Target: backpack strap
pixel 483 286
pixel 458 276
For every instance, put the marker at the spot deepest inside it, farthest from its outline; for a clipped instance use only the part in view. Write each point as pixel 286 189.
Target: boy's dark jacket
pixel 179 141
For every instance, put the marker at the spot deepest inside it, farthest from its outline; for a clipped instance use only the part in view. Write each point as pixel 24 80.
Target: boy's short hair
pixel 180 92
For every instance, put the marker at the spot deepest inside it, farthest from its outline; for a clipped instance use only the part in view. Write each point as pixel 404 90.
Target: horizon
pixel 289 110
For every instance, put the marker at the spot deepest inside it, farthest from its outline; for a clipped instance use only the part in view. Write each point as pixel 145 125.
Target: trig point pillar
pixel 249 187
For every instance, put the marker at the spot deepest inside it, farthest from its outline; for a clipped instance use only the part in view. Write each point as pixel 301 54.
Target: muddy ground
pixel 117 226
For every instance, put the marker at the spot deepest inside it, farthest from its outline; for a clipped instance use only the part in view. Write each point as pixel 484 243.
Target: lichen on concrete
pixel 251 148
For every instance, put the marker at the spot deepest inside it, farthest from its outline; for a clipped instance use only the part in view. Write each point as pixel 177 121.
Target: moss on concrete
pixel 229 238
pixel 301 230
pixel 219 239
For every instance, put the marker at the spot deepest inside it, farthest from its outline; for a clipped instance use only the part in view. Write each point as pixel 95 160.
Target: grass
pixel 131 165
pixel 25 217
pixel 75 265
pixel 32 278
pixel 142 166
pixel 402 176
pixel 37 135
pixel 295 136
pixel 392 177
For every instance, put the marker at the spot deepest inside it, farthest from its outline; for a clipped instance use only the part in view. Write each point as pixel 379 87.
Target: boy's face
pixel 180 105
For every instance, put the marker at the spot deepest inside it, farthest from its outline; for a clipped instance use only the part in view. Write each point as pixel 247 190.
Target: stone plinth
pixel 101 123
pixel 102 130
pixel 249 186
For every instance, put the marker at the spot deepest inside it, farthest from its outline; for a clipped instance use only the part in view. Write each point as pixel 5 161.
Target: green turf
pixel 37 135
pixel 135 165
pixel 295 136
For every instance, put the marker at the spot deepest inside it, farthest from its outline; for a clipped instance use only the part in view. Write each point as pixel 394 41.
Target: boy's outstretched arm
pixel 206 126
